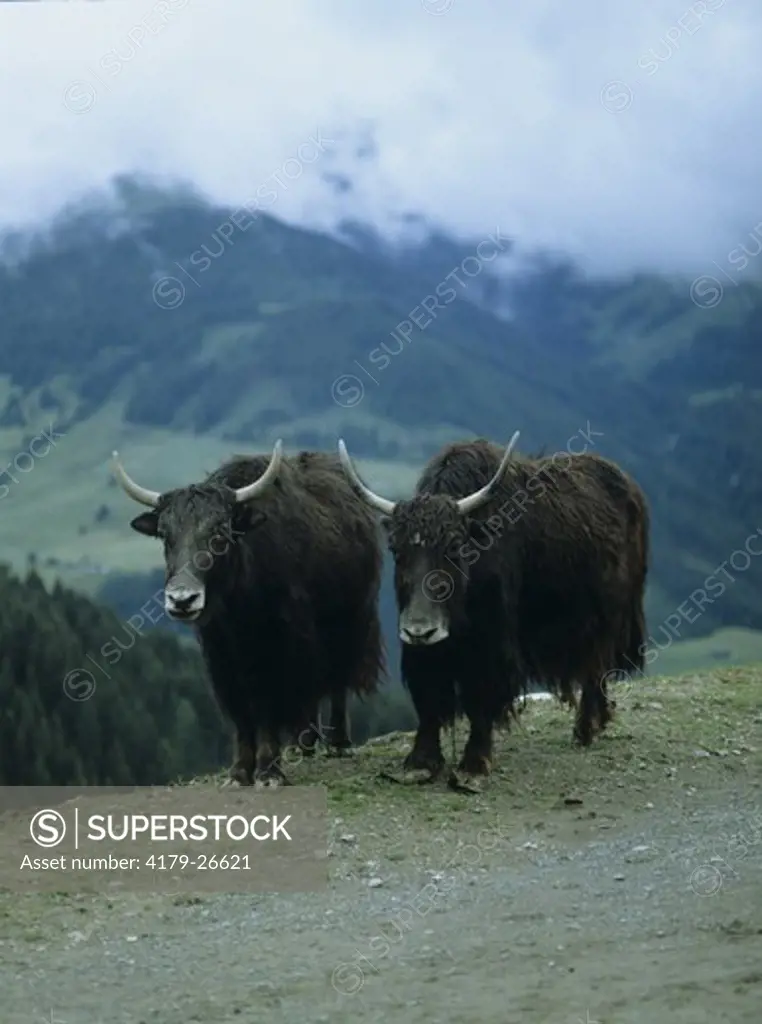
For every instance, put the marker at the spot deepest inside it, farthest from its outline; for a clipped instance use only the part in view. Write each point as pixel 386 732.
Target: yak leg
pixel 490 680
pixel 478 695
pixel 477 754
pixel 356 660
pixel 242 769
pixel 307 738
pixel 429 678
pixel 269 770
pixel 604 704
pixel 229 691
pixel 584 727
pixel 339 742
pixel 595 710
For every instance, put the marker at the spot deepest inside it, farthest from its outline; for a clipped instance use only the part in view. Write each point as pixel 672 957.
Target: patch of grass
pixel 726 647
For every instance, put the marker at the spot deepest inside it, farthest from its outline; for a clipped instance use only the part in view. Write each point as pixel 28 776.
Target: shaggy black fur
pixel 547 582
pixel 292 585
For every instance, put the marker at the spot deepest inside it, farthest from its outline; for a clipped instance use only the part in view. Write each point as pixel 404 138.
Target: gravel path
pixel 625 907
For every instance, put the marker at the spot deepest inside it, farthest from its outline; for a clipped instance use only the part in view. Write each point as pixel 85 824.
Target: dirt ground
pixel 618 885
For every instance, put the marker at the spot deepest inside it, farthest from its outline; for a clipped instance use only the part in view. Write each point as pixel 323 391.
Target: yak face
pixel 426 537
pixel 196 526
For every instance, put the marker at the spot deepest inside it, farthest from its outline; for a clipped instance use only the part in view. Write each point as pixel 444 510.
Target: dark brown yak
pixel 276 564
pixel 508 570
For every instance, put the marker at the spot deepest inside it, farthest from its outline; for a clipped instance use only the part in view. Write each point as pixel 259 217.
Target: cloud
pixel 624 135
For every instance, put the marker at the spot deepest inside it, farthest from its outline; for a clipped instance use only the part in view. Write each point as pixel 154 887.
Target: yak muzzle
pixel 184 604
pixel 423 634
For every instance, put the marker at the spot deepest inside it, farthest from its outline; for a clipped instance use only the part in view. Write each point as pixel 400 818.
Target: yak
pixel 510 569
pixel 276 564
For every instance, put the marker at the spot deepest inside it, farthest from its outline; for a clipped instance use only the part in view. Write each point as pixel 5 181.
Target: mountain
pixel 180 332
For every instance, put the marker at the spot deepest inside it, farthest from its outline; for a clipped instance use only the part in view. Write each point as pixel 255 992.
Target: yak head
pixel 428 538
pixel 196 525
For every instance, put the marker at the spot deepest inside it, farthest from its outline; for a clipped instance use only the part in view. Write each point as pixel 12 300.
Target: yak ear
pixel 475 527
pixel 257 519
pixel 146 523
pixel 386 522
pixel 248 519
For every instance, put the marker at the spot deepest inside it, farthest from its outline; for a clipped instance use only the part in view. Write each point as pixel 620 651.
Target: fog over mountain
pixel 624 135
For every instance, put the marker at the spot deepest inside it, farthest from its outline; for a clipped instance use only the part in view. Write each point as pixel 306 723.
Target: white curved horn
pixel 264 481
pixel 473 501
pixel 383 505
pixel 135 491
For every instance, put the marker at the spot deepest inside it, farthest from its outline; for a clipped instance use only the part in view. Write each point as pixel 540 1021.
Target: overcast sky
pixel 626 134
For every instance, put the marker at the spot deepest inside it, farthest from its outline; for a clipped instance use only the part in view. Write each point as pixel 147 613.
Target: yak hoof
pixel 410 776
pixel 582 737
pixel 475 764
pixel 464 782
pixel 271 782
pixel 344 751
pixel 270 778
pixel 240 774
pixel 420 763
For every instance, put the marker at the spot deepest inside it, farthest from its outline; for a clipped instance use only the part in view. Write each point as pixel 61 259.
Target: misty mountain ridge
pixel 274 338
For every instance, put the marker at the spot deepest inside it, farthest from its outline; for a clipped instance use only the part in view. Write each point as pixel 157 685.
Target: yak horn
pixel 383 505
pixel 140 494
pixel 473 501
pixel 264 481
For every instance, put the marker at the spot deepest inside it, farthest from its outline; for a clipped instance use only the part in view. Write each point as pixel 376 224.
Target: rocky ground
pixel 617 885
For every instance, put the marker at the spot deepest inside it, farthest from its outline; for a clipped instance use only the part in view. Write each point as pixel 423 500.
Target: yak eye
pixel 453 543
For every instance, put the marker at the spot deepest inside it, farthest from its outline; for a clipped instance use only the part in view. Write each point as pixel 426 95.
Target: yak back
pixel 584 498
pixel 309 530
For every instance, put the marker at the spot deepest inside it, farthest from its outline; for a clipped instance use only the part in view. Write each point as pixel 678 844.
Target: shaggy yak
pixel 510 569
pixel 277 565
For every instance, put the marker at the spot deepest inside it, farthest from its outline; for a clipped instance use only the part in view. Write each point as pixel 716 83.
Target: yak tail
pixel 370 667
pixel 632 658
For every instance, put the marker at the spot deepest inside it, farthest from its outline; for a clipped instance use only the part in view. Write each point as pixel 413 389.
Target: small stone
pixel 618 878
pixel 374 883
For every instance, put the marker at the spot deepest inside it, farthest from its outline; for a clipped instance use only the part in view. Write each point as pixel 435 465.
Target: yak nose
pixel 418 633
pixel 183 603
